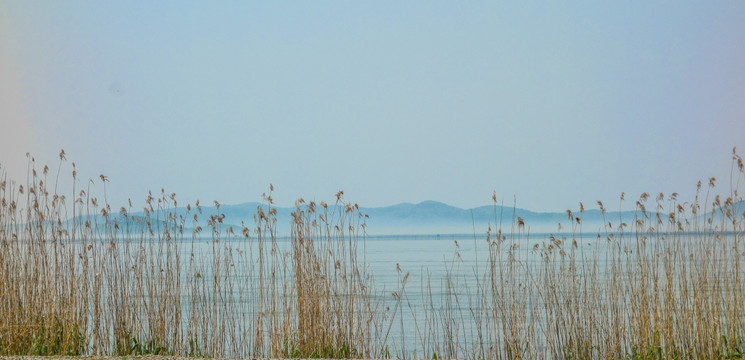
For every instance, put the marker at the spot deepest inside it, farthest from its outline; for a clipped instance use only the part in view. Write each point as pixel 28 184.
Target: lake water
pixel 445 273
pixel 446 296
pixel 440 295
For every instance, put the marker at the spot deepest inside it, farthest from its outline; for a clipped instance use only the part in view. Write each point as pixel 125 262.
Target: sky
pixel 546 103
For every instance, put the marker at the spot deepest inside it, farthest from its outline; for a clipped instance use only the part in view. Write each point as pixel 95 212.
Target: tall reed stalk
pixel 80 278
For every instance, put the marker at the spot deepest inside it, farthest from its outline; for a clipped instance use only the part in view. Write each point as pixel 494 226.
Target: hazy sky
pixel 392 102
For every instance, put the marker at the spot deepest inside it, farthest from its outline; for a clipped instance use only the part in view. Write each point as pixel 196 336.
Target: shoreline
pixel 142 357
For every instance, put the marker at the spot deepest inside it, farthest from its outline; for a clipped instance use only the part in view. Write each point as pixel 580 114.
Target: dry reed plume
pixel 78 277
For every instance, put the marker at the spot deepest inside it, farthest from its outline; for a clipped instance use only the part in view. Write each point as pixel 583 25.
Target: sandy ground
pixel 148 357
pixel 144 357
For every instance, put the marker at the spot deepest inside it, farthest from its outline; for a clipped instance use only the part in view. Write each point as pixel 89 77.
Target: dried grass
pixel 77 278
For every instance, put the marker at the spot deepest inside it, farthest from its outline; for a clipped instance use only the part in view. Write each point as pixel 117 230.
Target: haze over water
pixel 551 104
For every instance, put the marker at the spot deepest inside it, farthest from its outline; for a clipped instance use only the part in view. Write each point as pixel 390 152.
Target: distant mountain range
pixel 431 217
pixel 438 217
pixel 424 218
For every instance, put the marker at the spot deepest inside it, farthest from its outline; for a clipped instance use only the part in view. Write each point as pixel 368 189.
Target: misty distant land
pixel 433 217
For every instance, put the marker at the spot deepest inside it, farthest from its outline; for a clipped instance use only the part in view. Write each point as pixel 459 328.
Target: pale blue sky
pixel 552 103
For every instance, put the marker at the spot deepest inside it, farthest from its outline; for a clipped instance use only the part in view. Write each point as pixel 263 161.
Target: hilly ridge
pixel 432 217
pixel 424 218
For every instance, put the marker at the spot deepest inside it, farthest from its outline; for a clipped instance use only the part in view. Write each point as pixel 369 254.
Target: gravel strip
pixel 138 357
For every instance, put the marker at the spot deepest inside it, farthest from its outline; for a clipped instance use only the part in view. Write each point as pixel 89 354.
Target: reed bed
pixel 78 277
